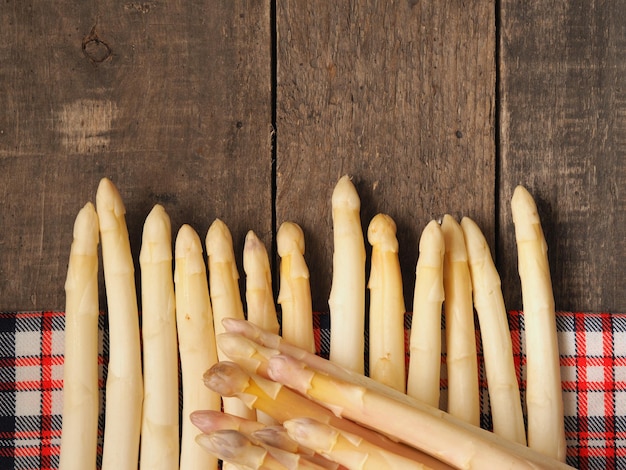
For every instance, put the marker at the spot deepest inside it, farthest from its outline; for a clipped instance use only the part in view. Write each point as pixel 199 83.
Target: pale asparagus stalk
pixel 237 449
pixel 124 385
pixel 209 421
pixel 254 358
pixel 295 291
pixel 504 394
pixel 356 380
pixel 432 431
pixel 544 398
pixel 230 379
pixel 424 374
pixel 248 354
pixel 251 347
pixel 387 356
pixel 270 435
pixel 461 354
pixel 223 275
pixel 212 420
pixel 347 294
pixel 347 449
pixel 80 368
pixel 277 437
pixel 196 343
pixel 159 446
pixel 225 293
pixel 259 294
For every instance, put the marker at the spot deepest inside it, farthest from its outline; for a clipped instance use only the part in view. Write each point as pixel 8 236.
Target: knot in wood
pixel 94 48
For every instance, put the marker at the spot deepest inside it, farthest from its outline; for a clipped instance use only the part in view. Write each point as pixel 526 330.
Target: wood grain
pixel 398 94
pixel 171 100
pixel 174 101
pixel 563 136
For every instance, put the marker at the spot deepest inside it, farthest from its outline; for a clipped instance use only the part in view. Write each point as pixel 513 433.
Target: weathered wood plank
pixel 398 94
pixel 171 100
pixel 563 135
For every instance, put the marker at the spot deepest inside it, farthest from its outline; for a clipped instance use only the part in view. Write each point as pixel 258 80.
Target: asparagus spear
pixel 80 369
pixel 387 359
pixel 544 399
pixel 271 436
pixel 349 450
pixel 347 294
pixel 225 293
pixel 259 294
pixel 124 385
pixel 295 290
pixel 262 345
pixel 432 431
pixel 198 351
pixel 254 358
pixel 278 437
pixel 461 355
pixel 330 369
pixel 504 395
pixel 235 448
pixel 249 355
pixel 425 338
pixel 223 275
pixel 212 420
pixel 282 403
pixel 159 447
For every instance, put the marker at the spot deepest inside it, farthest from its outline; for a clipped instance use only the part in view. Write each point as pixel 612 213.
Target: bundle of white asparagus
pixel 255 395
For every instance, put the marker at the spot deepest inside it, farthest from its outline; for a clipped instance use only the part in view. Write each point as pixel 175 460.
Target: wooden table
pixel 250 111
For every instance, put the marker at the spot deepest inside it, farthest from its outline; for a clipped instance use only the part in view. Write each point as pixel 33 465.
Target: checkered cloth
pixel 593 368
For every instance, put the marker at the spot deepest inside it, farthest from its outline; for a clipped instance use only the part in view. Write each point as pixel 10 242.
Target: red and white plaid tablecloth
pixel 593 368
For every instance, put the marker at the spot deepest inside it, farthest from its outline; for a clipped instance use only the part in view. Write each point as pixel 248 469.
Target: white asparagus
pixel 504 394
pixel 347 294
pixel 223 275
pixel 159 447
pixel 544 398
pixel 295 291
pixel 243 452
pixel 235 448
pixel 387 356
pixel 347 449
pixel 461 354
pixel 434 432
pixel 250 355
pixel 212 420
pixel 261 308
pixel 273 436
pixel 79 435
pixel 424 374
pixel 276 437
pixel 254 352
pixel 196 343
pixel 282 403
pixel 259 294
pixel 225 294
pixel 361 384
pixel 124 385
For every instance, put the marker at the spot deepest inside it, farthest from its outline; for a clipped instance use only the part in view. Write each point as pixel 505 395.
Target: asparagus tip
pixel 226 378
pixel 345 194
pixel 289 239
pixel 382 232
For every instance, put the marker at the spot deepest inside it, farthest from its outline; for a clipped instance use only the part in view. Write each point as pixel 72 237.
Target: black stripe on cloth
pixel 7 390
